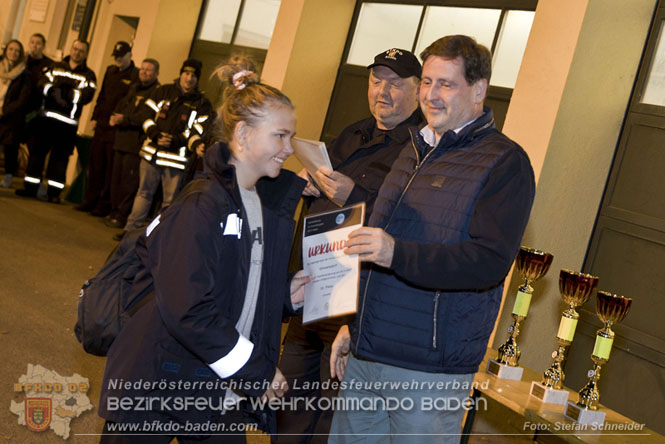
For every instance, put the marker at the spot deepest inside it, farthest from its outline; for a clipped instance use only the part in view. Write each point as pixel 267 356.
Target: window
pixel 389 25
pixel 510 48
pixel 381 26
pixel 654 91
pixel 443 20
pixel 219 19
pixel 246 23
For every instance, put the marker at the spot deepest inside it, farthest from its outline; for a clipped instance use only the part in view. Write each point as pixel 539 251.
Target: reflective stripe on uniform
pixel 171 156
pixel 167 163
pixel 32 179
pixel 77 96
pixel 235 359
pixel 152 225
pixel 151 103
pixel 193 139
pixel 147 124
pixel 71 75
pixel 53 183
pixel 54 115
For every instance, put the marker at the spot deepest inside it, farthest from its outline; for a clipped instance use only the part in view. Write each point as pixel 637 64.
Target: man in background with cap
pixel 361 157
pixel 174 118
pixel 118 78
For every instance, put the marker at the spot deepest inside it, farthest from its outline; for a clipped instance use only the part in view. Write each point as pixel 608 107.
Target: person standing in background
pixel 68 86
pixel 174 119
pixel 118 79
pixel 129 136
pixel 36 64
pixel 14 96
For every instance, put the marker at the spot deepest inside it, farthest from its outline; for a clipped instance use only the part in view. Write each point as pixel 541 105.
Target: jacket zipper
pixel 419 163
pixel 434 317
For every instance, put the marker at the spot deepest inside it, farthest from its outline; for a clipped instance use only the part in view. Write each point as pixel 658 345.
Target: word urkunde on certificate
pixel 334 290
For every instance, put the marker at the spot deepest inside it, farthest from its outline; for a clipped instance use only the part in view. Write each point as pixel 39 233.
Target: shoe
pixel 85 207
pixel 100 211
pixel 113 223
pixel 25 193
pixel 118 237
pixel 54 200
pixel 7 183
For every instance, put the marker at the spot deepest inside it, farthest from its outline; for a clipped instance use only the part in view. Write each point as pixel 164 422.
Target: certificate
pixel 334 290
pixel 312 154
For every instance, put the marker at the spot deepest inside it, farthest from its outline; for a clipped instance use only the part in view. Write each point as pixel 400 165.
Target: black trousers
pixel 305 362
pixel 11 158
pixel 55 137
pixel 124 184
pixel 100 169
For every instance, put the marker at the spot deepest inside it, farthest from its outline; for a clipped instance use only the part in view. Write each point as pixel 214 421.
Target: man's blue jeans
pixel 149 177
pixel 409 406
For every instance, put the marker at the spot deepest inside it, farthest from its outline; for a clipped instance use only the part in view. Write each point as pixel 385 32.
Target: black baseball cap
pixel 121 48
pixel 403 62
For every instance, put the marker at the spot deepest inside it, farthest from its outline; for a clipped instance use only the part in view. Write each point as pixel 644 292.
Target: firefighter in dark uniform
pixel 175 117
pixel 36 64
pixel 118 79
pixel 68 86
pixel 129 136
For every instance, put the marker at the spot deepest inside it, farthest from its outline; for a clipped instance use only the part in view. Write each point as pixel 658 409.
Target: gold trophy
pixel 576 289
pixel 532 265
pixel 611 309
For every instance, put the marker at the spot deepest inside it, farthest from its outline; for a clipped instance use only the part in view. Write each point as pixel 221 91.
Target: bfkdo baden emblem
pixel 38 413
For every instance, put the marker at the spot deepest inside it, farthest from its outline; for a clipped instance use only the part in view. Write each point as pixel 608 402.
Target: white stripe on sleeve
pixel 235 359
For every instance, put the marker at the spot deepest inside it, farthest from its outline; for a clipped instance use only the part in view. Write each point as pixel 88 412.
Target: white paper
pixel 312 154
pixel 334 290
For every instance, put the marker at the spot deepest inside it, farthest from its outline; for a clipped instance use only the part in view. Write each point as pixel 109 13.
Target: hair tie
pixel 237 78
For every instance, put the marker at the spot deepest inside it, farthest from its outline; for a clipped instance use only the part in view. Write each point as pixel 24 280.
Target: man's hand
pixel 310 189
pixel 164 140
pixel 371 245
pixel 298 283
pixel 115 119
pixel 200 149
pixel 335 185
pixel 339 353
pixel 277 388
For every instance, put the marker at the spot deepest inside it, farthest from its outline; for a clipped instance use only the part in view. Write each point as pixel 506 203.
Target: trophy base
pixel 549 395
pixel 584 416
pixel 504 371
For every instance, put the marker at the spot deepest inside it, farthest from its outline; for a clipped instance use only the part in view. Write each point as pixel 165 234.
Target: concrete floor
pixel 47 251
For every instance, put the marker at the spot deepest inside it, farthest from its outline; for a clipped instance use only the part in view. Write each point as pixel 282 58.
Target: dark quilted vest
pixel 427 329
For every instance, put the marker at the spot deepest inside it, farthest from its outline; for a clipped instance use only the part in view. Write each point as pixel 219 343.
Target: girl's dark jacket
pixel 14 109
pixel 200 265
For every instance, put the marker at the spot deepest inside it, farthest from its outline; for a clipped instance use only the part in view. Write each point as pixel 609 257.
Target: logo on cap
pixel 392 53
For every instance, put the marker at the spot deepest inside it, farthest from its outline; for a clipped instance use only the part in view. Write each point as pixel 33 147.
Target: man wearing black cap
pixel 117 81
pixel 174 118
pixel 361 157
